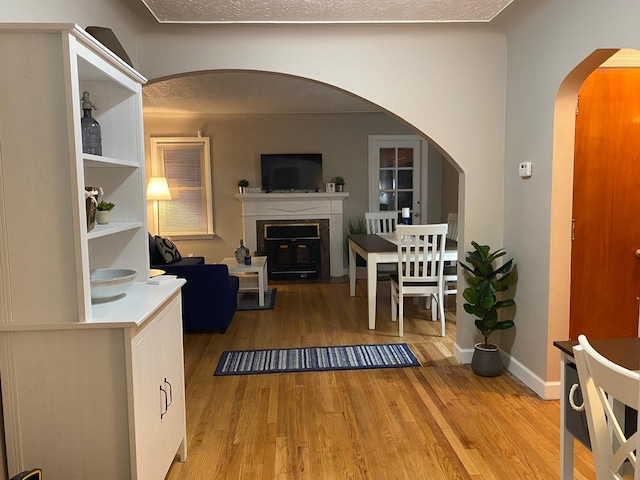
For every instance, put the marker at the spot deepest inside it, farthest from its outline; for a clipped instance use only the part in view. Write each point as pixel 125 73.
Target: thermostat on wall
pixel 525 169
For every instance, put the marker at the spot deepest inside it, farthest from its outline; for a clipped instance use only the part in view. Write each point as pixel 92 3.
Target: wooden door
pixel 605 272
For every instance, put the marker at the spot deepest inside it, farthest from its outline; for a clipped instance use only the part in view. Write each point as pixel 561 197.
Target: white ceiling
pixel 256 93
pixel 324 11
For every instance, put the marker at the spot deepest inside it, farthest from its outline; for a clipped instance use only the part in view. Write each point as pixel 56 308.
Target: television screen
pixel 291 171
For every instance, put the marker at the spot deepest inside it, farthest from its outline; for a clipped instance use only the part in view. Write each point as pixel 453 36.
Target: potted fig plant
pixel 485 282
pixel 103 215
pixel 242 184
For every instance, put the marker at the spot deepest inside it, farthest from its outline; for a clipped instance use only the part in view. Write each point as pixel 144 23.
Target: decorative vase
pixel 339 187
pixel 241 252
pixel 91 133
pixel 486 360
pixel 103 216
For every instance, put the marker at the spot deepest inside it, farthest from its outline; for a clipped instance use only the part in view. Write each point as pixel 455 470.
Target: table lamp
pixel 157 190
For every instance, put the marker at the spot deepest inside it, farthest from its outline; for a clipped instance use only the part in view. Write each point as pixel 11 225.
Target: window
pixel 184 161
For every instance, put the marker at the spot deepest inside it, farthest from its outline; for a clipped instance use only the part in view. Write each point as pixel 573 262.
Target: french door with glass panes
pixel 394 175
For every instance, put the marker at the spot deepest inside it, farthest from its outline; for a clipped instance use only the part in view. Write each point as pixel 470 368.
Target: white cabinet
pixel 73 373
pixel 158 374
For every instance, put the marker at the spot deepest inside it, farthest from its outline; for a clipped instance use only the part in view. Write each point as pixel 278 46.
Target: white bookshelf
pixel 70 367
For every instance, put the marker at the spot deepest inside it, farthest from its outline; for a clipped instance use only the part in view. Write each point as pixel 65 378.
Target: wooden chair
pixel 381 222
pixel 451 268
pixel 420 269
pixel 602 381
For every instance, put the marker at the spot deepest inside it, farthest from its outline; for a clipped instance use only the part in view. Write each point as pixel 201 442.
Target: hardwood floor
pixel 437 421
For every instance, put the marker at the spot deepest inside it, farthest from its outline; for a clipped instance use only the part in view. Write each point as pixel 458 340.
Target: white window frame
pixel 158 145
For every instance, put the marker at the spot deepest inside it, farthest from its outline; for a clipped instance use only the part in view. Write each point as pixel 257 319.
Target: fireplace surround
pixel 322 208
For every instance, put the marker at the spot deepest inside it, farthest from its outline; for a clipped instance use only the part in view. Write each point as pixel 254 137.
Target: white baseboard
pixel 545 390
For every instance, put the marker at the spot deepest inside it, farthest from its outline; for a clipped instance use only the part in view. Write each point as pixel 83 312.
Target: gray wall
pixel 548 42
pixel 238 140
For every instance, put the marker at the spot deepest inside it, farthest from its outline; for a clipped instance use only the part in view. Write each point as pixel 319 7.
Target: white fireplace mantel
pixel 292 206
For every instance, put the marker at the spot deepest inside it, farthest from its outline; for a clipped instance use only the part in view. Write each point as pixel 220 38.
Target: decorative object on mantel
pixel 157 191
pixel 339 181
pixel 103 216
pixel 330 187
pixel 484 282
pixel 242 185
pixel 91 134
pixel 242 252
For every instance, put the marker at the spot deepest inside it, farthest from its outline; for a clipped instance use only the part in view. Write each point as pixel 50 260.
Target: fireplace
pixel 292 250
pixel 325 209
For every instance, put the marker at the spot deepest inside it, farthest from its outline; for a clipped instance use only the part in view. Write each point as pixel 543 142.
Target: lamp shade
pixel 158 189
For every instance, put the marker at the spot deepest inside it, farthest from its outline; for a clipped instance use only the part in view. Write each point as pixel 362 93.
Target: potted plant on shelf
pixel 339 184
pixel 103 215
pixel 242 184
pixel 485 282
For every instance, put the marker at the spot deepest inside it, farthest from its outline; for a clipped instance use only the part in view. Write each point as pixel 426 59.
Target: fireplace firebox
pixel 293 250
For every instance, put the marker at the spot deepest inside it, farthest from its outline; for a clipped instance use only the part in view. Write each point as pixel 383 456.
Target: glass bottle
pixel 91 134
pixel 241 252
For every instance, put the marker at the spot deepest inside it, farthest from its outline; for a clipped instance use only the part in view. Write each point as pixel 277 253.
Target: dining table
pixel 377 249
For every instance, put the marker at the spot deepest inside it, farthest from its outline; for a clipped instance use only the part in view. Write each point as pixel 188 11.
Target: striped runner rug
pixel 314 359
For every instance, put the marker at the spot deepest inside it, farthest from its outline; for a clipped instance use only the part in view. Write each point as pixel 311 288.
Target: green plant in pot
pixel 103 215
pixel 484 300
pixel 242 184
pixel 339 184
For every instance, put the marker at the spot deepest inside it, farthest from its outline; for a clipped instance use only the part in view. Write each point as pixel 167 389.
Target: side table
pixel 252 277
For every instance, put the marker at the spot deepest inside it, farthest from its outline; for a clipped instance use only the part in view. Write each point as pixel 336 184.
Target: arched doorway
pixel 197 97
pixel 562 198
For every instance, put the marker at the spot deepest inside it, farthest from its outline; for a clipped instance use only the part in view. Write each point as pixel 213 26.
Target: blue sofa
pixel 210 296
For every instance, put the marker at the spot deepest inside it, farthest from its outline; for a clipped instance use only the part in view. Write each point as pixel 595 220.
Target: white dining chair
pixel 420 270
pixel 381 222
pixel 451 268
pixel 602 382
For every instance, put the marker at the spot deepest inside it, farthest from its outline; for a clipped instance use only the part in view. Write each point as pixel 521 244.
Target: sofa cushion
pixel 167 249
pixel 154 255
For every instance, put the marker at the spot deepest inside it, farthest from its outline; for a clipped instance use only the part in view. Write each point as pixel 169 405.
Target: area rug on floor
pixel 314 359
pixel 250 300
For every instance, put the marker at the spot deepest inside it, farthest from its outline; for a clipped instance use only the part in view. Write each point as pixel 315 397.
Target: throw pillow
pixel 167 249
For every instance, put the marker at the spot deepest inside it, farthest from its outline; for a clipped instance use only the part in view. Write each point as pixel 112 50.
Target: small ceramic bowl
pixel 110 282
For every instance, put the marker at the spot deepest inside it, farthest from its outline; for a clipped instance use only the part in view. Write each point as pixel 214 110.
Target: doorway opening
pixel 564 151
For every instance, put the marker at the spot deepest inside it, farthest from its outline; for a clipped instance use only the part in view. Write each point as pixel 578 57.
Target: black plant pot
pixel 486 360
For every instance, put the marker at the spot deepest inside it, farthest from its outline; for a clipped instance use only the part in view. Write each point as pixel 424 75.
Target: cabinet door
pixel 158 393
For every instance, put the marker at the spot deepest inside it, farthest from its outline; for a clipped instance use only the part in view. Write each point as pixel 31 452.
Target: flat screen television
pixel 291 171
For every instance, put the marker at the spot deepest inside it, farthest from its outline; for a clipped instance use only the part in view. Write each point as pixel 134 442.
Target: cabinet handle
pixel 170 392
pixel 163 393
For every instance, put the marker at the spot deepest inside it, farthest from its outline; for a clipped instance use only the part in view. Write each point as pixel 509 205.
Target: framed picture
pixel 330 187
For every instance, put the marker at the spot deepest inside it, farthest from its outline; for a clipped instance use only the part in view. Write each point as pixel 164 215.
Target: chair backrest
pixel 452 222
pixel 421 254
pixel 381 222
pixel 601 381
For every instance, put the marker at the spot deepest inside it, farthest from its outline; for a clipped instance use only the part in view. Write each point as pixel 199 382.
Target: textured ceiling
pixel 324 11
pixel 247 93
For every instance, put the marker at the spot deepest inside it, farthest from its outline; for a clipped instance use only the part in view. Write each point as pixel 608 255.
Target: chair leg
pixel 400 316
pixel 434 305
pixel 394 303
pixel 440 301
